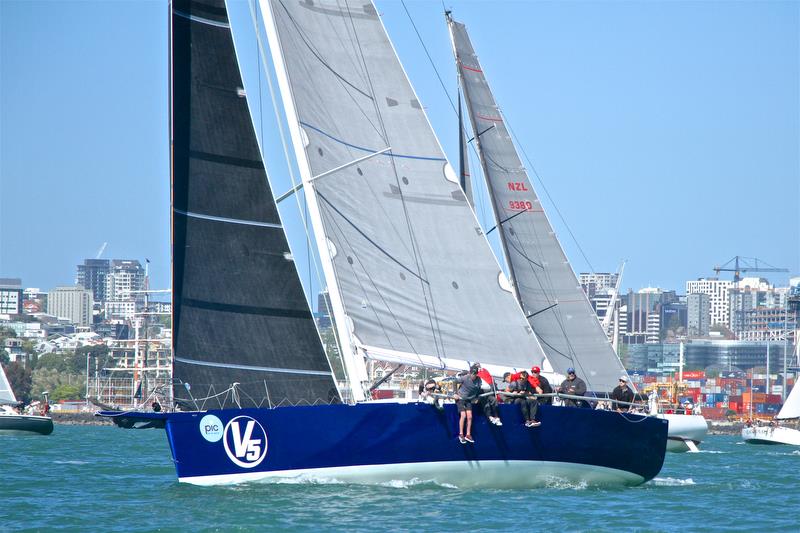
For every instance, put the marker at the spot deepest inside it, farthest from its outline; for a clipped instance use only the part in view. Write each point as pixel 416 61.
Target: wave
pixel 711 451
pixel 672 482
pixel 72 462
pixel 308 479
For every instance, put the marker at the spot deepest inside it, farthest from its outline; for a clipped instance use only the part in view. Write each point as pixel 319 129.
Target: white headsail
pixel 411 274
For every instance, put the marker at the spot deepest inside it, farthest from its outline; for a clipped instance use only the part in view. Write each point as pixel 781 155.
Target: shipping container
pixel 694 374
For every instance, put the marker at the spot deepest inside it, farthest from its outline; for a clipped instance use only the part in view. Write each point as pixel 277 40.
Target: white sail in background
pixel 412 276
pixel 548 290
pixel 791 408
pixel 6 394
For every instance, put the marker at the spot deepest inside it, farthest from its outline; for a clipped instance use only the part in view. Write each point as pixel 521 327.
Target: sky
pixel 665 134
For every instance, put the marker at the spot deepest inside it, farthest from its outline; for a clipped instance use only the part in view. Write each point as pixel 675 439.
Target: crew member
pixel 575 386
pixel 521 391
pixel 536 372
pixel 622 393
pixel 488 399
pixel 468 392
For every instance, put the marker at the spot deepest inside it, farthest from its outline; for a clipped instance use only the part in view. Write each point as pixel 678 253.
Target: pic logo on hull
pixel 245 441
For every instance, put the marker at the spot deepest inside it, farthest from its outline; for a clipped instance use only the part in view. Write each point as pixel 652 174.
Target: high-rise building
pixel 10 296
pixel 718 295
pixel 698 314
pixel 597 282
pixel 324 310
pixel 92 275
pixel 124 276
pixel 72 303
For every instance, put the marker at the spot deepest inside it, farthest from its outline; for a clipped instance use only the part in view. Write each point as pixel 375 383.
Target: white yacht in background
pixel 773 433
pixel 11 420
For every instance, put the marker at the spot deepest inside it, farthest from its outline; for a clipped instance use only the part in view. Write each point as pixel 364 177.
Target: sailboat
pixel 774 433
pixel 15 422
pixel 543 281
pixel 410 275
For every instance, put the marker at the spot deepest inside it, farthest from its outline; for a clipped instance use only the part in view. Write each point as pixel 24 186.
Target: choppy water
pixel 108 479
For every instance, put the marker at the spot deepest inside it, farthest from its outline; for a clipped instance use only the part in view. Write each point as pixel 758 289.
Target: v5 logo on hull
pixel 245 441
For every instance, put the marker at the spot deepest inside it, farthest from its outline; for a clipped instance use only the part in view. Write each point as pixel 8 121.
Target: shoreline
pixel 79 419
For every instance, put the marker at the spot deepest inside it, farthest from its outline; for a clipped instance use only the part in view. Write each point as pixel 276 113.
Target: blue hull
pixel 374 442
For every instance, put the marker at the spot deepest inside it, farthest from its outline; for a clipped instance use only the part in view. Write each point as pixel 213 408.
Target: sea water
pixel 100 478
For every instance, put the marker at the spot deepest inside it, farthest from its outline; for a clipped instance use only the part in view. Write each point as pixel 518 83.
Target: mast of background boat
pixel 680 363
pixel 512 279
pixel 354 362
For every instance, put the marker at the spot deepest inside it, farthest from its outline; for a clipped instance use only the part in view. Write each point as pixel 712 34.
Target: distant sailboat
pixel 410 275
pixel 773 433
pixel 543 280
pixel 12 421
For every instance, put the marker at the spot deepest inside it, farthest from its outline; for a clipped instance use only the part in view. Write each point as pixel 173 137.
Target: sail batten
pixel 239 312
pixel 548 290
pixel 410 270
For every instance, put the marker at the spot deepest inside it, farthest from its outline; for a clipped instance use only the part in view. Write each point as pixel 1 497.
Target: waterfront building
pixel 124 278
pixel 16 353
pixel 698 314
pixel 597 282
pixel 73 303
pixel 323 310
pixel 699 354
pixel 644 314
pixel 10 296
pixel 718 295
pixel 766 323
pixel 92 275
pixel 120 309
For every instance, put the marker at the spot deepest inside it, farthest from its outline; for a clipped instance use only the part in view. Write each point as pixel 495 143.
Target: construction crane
pixel 101 250
pixel 746 264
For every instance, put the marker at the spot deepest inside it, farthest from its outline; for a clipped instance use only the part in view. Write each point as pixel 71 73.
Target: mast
pixel 354 363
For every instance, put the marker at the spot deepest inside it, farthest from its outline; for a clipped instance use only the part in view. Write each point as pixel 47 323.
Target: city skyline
pixel 671 141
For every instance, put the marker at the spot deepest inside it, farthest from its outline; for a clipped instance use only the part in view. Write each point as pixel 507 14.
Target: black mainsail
pixel 239 313
pixel 545 284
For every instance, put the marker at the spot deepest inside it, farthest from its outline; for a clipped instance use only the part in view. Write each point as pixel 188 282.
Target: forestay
pixel 416 279
pixel 240 315
pixel 546 286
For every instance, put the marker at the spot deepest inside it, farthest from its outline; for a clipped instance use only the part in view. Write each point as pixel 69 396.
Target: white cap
pixel 623 378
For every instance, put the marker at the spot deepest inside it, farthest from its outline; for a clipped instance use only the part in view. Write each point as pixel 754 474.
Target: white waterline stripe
pixel 472 474
pixel 230 220
pixel 260 368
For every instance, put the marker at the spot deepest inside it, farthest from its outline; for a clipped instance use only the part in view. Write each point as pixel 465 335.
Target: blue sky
pixel 666 133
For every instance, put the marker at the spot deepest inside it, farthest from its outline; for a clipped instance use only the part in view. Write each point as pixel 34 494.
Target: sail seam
pixel 255 368
pixel 227 160
pixel 195 18
pixel 229 220
pixel 389 154
pixel 246 309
